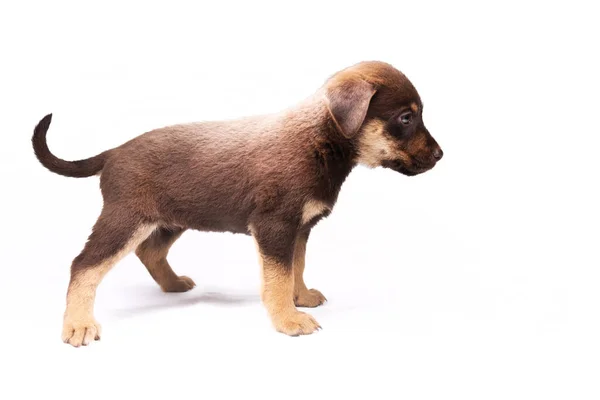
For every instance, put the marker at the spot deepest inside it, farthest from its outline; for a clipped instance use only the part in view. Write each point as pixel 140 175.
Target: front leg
pixel 303 297
pixel 275 241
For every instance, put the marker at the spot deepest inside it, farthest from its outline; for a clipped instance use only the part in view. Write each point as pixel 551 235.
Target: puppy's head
pixel 376 107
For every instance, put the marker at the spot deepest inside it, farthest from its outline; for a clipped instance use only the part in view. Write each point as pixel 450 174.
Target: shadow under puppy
pixel 271 176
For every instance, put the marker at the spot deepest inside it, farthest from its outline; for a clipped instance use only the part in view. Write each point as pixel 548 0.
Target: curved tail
pixel 76 169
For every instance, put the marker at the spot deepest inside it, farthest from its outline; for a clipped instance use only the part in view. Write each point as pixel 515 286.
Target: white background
pixel 477 280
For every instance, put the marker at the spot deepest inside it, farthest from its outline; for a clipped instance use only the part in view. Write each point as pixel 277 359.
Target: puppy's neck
pixel 334 153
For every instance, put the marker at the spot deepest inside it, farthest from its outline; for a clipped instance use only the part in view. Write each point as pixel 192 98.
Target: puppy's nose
pixel 438 154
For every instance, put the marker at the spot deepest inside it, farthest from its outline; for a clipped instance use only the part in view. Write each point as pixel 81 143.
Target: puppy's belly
pixel 218 226
pixel 205 217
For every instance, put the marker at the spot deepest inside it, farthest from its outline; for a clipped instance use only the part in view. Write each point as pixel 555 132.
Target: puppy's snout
pixel 438 154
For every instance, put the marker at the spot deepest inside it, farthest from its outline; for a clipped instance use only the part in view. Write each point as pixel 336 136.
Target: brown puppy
pixel 272 177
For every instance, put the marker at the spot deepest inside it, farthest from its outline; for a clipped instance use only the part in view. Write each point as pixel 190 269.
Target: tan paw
pixel 309 298
pixel 183 284
pixel 80 333
pixel 296 323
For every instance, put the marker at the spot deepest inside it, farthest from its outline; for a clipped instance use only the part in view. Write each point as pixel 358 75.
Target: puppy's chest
pixel 313 211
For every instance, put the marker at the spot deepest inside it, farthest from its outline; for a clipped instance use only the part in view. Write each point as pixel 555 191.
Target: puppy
pixel 273 177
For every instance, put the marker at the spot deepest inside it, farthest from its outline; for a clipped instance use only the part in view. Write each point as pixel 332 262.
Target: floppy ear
pixel 348 103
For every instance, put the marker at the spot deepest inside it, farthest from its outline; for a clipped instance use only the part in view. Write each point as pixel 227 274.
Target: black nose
pixel 438 154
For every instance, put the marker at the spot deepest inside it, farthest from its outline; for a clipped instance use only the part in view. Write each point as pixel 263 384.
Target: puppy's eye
pixel 406 118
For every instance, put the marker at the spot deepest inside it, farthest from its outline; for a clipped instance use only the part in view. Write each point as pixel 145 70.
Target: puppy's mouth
pixel 416 167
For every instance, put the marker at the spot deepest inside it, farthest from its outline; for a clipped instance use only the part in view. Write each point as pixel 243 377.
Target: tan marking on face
pixel 277 294
pixel 373 146
pixel 414 107
pixel 79 326
pixel 312 208
pixel 418 144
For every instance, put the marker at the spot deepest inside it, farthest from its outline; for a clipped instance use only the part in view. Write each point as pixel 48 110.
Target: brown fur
pixel 303 297
pixel 153 254
pixel 276 294
pixel 79 326
pixel 272 176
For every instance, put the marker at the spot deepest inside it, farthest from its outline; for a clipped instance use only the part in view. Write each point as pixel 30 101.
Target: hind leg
pixel 153 254
pixel 114 235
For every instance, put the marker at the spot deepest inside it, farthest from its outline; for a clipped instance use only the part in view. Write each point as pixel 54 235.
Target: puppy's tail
pixel 76 169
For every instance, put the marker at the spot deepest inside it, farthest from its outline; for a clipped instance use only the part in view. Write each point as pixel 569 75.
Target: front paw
pixel 182 284
pixel 80 332
pixel 309 298
pixel 296 323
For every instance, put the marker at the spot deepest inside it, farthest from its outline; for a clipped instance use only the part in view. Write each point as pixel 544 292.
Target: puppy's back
pixel 203 175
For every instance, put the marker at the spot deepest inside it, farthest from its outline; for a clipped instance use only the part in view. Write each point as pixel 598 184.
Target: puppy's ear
pixel 348 102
